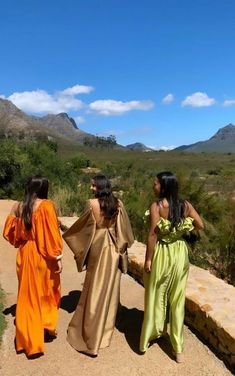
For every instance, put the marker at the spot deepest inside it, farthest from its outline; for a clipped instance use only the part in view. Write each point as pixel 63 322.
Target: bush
pixel 206 180
pixel 2 318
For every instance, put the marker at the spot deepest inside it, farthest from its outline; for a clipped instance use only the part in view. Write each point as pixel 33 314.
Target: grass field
pixel 2 318
pixel 206 179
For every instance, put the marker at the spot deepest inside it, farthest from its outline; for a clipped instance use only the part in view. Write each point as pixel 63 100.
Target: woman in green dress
pixel 166 264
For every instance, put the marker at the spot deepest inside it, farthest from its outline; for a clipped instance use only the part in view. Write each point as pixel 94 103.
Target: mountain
pixel 223 141
pixel 138 146
pixel 15 123
pixel 64 126
pixel 60 128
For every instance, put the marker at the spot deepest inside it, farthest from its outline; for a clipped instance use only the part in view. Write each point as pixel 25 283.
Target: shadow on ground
pixel 129 322
pixel 69 302
pixel 10 310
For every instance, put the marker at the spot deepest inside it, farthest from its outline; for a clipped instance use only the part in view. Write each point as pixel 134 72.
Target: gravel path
pixel 121 358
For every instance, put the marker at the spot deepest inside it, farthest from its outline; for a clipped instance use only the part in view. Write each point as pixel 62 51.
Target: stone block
pixel 192 303
pixel 206 308
pixel 230 330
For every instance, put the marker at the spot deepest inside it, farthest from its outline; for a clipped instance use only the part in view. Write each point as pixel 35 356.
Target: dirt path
pixel 121 358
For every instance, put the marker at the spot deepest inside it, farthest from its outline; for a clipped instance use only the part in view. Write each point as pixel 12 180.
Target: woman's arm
pixel 15 209
pixel 191 212
pixel 152 236
pixel 47 234
pixel 12 227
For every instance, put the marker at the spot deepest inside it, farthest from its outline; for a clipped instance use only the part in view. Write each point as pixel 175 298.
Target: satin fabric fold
pixel 165 286
pixel 92 324
pixel 38 285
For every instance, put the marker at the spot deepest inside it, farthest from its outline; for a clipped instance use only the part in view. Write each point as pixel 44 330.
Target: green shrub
pixel 2 317
pixel 206 180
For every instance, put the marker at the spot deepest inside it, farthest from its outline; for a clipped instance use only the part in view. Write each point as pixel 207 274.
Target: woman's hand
pixel 59 266
pixel 147 266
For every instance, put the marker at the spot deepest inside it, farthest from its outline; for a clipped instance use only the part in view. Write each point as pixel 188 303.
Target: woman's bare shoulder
pixel 15 210
pixel 164 203
pixel 187 207
pixel 154 207
pixel 93 202
pixel 95 208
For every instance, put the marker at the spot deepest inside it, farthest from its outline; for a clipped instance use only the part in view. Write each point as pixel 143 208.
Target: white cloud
pixel 109 107
pixel 168 99
pixel 165 148
pixel 198 100
pixel 229 102
pixel 170 147
pixel 39 102
pixel 79 120
pixel 77 89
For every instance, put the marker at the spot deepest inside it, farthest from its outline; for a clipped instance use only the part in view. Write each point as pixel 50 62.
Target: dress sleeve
pixel 80 235
pixel 11 230
pixel 125 237
pixel 47 234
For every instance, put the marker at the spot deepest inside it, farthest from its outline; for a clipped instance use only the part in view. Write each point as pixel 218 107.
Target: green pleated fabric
pixel 165 286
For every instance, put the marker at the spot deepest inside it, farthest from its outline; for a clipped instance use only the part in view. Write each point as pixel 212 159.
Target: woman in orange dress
pixel 32 226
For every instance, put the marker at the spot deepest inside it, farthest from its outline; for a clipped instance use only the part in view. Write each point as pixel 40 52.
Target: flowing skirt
pixel 38 298
pixel 93 322
pixel 165 288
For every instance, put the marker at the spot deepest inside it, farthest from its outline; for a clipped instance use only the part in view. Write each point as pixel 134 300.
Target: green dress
pixel 165 285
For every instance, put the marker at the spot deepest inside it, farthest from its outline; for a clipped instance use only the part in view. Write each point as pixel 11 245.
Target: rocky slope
pixel 15 123
pixel 223 141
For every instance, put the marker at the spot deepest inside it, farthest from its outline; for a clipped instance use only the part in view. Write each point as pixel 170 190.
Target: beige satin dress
pixel 97 246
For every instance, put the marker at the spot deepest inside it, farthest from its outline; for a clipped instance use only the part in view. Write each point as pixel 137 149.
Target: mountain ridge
pixel 138 146
pixel 223 141
pixel 15 123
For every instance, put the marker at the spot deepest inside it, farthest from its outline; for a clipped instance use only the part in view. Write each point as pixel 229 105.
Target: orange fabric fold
pixel 39 286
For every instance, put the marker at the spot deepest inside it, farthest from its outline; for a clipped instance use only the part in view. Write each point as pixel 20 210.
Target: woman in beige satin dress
pixel 97 239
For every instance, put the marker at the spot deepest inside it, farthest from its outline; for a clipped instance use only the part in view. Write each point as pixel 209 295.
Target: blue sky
pixel 157 72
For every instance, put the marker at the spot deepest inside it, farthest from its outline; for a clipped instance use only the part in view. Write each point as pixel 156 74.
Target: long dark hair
pixel 170 191
pixel 36 187
pixel 108 202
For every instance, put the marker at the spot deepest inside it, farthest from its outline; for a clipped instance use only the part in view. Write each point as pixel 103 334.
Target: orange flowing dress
pixel 39 286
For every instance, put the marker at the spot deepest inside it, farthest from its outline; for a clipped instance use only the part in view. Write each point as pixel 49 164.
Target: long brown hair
pixel 108 202
pixel 170 191
pixel 36 187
